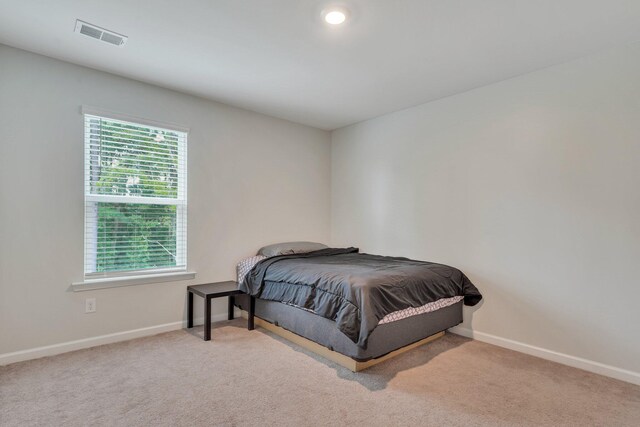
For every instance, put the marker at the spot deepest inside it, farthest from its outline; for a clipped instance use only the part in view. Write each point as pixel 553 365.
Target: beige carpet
pixel 254 378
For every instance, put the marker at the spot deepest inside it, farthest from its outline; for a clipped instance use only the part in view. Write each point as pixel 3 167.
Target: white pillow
pixel 245 266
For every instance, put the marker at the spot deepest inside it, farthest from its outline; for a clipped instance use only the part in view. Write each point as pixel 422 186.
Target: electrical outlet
pixel 90 305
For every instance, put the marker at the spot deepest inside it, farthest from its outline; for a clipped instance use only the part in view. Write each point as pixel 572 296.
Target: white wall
pixel 253 180
pixel 531 186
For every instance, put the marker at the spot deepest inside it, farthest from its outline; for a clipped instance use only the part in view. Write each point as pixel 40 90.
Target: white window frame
pixel 93 280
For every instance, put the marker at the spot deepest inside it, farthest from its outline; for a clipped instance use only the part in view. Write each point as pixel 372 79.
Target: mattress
pixel 427 308
pixel 411 311
pixel 384 339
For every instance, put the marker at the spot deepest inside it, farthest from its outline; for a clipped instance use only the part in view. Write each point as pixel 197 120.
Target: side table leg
pixel 190 309
pixel 232 303
pixel 251 316
pixel 207 319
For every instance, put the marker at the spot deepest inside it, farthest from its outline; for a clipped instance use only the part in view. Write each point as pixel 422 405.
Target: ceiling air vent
pixel 100 33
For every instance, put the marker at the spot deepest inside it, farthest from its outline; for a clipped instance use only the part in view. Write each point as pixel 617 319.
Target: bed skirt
pixel 384 339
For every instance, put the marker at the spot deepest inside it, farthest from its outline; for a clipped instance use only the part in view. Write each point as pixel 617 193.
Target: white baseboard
pixel 52 350
pixel 565 359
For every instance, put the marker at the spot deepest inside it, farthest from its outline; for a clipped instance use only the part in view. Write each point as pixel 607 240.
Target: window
pixel 135 198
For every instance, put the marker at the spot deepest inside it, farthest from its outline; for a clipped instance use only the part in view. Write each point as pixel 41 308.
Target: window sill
pixel 116 282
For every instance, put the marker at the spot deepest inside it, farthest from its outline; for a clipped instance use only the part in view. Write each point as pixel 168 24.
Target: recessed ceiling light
pixel 335 15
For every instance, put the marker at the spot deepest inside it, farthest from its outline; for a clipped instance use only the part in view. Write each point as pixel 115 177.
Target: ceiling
pixel 277 57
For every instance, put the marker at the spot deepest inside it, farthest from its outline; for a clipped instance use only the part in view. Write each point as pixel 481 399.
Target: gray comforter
pixel 353 289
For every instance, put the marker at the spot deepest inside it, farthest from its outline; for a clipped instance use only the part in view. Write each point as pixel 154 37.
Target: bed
pixel 353 308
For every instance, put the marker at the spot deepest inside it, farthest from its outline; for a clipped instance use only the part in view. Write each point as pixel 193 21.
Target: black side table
pixel 209 291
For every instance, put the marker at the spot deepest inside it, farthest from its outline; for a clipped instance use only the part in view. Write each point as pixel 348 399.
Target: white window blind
pixel 135 198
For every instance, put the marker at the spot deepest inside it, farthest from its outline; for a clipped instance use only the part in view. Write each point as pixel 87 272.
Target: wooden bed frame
pixel 331 355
